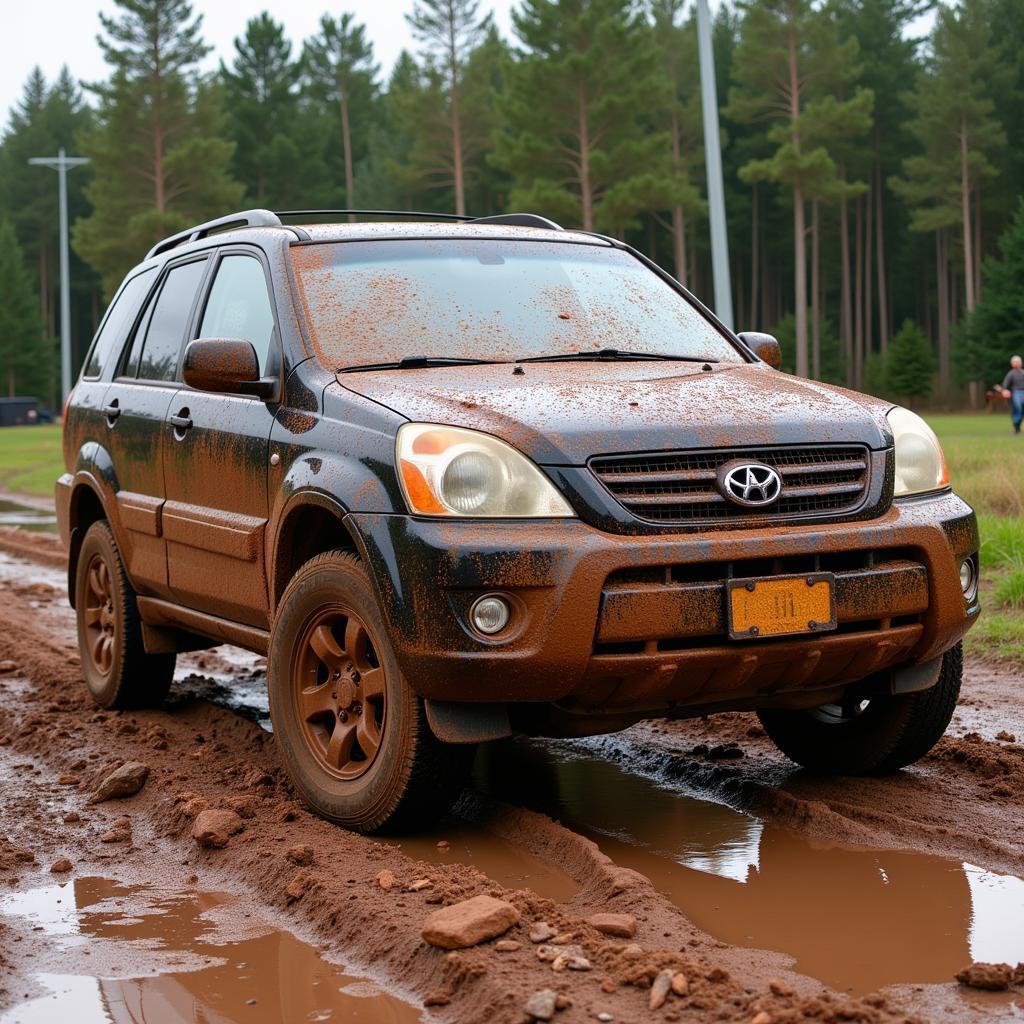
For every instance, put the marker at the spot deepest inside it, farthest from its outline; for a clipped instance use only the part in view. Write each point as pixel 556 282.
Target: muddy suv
pixel 463 478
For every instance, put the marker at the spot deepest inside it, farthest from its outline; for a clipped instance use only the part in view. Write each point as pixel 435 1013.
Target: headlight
pixel 450 471
pixel 920 464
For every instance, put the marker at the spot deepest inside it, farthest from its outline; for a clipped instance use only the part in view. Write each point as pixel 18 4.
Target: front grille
pixel 680 487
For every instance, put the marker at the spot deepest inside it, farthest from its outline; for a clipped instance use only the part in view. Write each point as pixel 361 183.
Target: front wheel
pixel 353 734
pixel 873 736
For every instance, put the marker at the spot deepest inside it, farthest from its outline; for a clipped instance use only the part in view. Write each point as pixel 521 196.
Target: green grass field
pixel 986 461
pixel 30 459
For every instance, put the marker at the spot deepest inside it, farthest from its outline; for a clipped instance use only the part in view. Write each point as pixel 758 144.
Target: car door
pixel 136 406
pixel 216 449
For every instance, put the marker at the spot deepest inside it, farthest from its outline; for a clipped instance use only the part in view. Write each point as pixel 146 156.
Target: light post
pixel 713 161
pixel 60 164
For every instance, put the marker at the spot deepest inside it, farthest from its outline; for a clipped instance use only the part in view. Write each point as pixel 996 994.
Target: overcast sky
pixel 55 32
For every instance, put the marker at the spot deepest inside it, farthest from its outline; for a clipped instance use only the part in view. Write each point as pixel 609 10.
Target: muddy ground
pixel 778 896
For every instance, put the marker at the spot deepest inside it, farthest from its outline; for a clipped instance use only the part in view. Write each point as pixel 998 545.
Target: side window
pixel 118 321
pixel 168 319
pixel 239 305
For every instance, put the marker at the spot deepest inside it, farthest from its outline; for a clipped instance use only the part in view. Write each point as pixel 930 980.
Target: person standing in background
pixel 1013 389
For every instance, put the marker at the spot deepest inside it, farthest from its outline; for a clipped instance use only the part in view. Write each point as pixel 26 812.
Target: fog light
pixel 968 578
pixel 490 614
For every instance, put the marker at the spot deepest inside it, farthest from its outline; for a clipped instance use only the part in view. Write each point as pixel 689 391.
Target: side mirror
pixel 764 346
pixel 226 365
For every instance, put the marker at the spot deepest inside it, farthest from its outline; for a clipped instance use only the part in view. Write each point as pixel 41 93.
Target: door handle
pixel 182 421
pixel 112 411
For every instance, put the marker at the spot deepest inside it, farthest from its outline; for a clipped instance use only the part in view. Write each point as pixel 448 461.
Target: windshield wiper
pixel 417 362
pixel 612 354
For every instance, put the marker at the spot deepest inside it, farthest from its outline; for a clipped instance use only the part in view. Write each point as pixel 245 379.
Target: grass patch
pixel 986 462
pixel 30 459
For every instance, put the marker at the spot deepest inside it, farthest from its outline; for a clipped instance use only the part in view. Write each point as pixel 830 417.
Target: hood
pixel 564 413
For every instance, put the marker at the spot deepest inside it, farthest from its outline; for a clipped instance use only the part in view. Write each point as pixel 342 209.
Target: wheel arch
pixel 86 505
pixel 310 523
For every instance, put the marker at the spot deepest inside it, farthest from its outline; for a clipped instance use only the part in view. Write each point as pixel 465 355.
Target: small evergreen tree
pixel 909 364
pixel 26 362
pixel 995 331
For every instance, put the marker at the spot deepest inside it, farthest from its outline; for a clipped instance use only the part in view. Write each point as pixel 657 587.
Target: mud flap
pixel 459 722
pixel 914 678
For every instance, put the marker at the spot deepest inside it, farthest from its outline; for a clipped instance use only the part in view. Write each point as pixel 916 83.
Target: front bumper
pixel 605 622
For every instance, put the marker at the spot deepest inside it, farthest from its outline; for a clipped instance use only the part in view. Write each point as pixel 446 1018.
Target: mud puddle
pixel 497 858
pixel 13 513
pixel 116 953
pixel 855 919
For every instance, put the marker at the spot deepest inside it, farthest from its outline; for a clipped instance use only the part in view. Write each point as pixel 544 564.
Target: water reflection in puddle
pixel 856 919
pixel 182 968
pixel 13 513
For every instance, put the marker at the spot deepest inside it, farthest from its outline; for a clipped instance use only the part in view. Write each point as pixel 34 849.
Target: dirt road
pixel 777 896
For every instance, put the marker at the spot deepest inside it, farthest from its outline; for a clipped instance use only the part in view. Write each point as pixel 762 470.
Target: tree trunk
pixel 346 142
pixel 815 294
pixel 977 241
pixel 869 222
pixel 678 219
pixel 457 166
pixel 883 303
pixel 965 210
pixel 586 189
pixel 845 313
pixel 942 297
pixel 858 294
pixel 799 214
pixel 755 254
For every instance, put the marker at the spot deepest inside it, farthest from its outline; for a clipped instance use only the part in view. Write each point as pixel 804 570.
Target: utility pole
pixel 60 164
pixel 713 161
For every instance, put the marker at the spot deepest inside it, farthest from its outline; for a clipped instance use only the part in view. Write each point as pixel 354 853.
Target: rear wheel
pixel 873 736
pixel 118 672
pixel 353 734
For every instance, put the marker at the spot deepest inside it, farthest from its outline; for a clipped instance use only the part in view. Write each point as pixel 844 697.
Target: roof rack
pixel 373 213
pixel 268 219
pixel 243 219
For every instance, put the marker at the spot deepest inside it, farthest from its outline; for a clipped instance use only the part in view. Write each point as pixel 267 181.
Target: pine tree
pixel 958 134
pixel 449 30
pixel 573 107
pixel 995 331
pixel 26 364
pixel 262 105
pixel 909 363
pixel 158 156
pixel 788 64
pixel 339 70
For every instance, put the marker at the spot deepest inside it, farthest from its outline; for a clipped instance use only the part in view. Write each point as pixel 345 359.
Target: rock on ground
pixel 994 977
pixel 541 1005
pixel 124 781
pixel 622 926
pixel 469 923
pixel 213 828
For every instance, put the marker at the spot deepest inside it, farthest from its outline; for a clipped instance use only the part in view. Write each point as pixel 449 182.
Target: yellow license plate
pixel 781 606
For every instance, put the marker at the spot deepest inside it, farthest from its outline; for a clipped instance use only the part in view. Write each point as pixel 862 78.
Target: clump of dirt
pixel 992 977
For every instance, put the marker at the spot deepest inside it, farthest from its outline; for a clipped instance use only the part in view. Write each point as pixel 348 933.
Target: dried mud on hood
pixel 563 413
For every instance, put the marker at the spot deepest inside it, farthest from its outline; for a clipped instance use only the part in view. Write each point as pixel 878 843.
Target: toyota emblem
pixel 751 484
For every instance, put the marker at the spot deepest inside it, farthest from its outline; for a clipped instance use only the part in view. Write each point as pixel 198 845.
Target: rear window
pixel 378 301
pixel 118 321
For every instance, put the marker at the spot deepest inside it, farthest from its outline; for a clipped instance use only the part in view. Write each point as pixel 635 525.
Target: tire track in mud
pixel 338 902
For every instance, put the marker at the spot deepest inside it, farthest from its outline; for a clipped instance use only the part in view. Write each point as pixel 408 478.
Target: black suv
pixel 465 477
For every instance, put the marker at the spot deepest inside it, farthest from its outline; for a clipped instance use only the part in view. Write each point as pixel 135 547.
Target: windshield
pixel 492 299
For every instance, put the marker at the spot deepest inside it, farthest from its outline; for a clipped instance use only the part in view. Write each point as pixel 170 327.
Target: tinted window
pixel 377 301
pixel 165 330
pixel 118 321
pixel 239 305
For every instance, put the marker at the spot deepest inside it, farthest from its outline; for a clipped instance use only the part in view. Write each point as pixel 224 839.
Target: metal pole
pixel 60 164
pixel 65 282
pixel 713 160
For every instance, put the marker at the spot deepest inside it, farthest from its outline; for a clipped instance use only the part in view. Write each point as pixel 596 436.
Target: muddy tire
pixel 118 672
pixel 875 737
pixel 353 734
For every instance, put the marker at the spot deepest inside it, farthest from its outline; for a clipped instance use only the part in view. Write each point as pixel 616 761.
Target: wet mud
pixel 14 513
pixel 761 884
